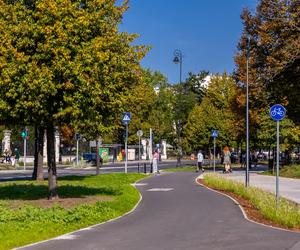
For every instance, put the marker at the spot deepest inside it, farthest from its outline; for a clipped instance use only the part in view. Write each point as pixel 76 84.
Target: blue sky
pixel 206 31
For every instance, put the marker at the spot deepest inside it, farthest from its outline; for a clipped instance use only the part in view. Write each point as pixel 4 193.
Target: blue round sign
pixel 277 112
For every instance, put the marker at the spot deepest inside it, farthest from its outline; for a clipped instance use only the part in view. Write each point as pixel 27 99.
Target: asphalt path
pixel 176 213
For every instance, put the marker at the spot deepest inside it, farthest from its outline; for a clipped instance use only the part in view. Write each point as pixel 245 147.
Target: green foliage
pixel 266 134
pixel 287 214
pixel 274 54
pixel 194 83
pixel 27 224
pixel 214 112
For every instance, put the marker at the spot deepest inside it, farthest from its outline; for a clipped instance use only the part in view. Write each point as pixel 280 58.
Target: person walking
pixel 155 162
pixel 199 161
pixel 227 162
pixel 17 157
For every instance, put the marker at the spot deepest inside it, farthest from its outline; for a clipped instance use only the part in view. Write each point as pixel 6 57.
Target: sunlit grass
pixel 26 224
pixel 287 214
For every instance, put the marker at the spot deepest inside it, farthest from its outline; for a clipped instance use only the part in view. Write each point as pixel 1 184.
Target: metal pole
pixel 77 149
pixel 247 119
pixel 180 73
pixel 25 153
pixel 126 148
pixel 150 146
pixel 139 154
pixel 214 154
pixel 277 167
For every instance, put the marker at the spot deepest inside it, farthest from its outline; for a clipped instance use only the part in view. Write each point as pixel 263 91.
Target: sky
pixel 206 31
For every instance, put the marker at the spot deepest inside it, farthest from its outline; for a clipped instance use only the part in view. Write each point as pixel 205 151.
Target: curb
pixel 241 208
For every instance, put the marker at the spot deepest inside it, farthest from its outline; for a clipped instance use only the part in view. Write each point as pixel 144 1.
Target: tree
pixel 274 54
pixel 214 112
pixel 65 62
pixel 194 83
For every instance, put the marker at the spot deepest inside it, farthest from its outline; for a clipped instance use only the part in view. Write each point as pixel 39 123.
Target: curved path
pixel 176 213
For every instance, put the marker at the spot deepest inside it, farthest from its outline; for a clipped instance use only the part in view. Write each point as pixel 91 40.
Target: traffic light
pixel 24 133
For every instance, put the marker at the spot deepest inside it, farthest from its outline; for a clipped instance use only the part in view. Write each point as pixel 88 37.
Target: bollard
pixel 138 167
pixel 151 167
pixel 145 168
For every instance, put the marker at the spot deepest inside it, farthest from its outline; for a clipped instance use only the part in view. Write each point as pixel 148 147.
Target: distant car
pixel 261 156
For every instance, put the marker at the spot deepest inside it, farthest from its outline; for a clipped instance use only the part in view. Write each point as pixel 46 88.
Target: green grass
pixel 287 214
pixel 27 223
pixel 290 171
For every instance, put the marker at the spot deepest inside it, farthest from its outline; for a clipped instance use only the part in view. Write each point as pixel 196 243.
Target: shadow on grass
pixel 34 192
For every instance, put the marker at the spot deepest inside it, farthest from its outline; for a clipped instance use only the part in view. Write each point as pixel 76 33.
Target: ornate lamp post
pixel 178 59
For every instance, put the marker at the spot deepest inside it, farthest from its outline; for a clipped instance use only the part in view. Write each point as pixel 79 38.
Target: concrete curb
pixel 89 227
pixel 241 208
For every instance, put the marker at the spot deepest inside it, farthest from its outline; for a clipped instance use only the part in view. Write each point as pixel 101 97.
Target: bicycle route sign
pixel 277 112
pixel 126 117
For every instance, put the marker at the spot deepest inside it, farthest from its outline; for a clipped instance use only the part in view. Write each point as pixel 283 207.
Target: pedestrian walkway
pixel 288 188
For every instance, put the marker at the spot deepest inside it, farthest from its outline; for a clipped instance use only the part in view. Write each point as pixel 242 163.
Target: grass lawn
pixel 26 216
pixel 291 171
pixel 286 215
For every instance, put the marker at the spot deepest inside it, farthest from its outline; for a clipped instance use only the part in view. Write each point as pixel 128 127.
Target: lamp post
pixel 247 112
pixel 178 59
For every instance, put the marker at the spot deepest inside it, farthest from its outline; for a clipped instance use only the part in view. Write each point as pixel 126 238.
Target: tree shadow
pixel 35 192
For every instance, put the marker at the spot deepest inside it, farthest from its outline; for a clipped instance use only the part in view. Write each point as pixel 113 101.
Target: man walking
pixel 199 161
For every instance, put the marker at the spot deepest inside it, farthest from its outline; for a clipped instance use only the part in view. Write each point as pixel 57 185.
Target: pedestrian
pixel 155 161
pixel 243 159
pixel 227 162
pixel 199 161
pixel 17 157
pixel 193 158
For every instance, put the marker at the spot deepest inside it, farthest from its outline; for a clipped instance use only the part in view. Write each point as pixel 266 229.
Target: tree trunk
pixel 38 154
pixel 98 161
pixel 52 174
pixel 97 157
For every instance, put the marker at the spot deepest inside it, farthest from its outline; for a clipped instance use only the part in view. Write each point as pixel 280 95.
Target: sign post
pixel 126 117
pixel 214 134
pixel 77 137
pixel 277 113
pixel 139 134
pixel 24 134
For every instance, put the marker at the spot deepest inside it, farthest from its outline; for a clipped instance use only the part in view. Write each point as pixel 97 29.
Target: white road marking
pixel 139 184
pixel 160 189
pixel 66 237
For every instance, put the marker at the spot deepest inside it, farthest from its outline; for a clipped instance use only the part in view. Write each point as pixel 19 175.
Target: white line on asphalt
pixel 66 237
pixel 160 189
pixel 139 184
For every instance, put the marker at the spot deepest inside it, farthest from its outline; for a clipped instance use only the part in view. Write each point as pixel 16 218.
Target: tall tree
pixel 65 62
pixel 214 112
pixel 274 35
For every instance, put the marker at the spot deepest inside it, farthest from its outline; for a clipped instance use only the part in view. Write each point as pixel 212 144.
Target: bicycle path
pixel 177 214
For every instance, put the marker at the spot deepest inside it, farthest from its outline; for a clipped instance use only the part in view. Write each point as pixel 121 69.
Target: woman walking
pixel 227 161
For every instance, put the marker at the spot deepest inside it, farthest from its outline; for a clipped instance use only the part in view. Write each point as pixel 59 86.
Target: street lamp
pixel 178 59
pixel 247 111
